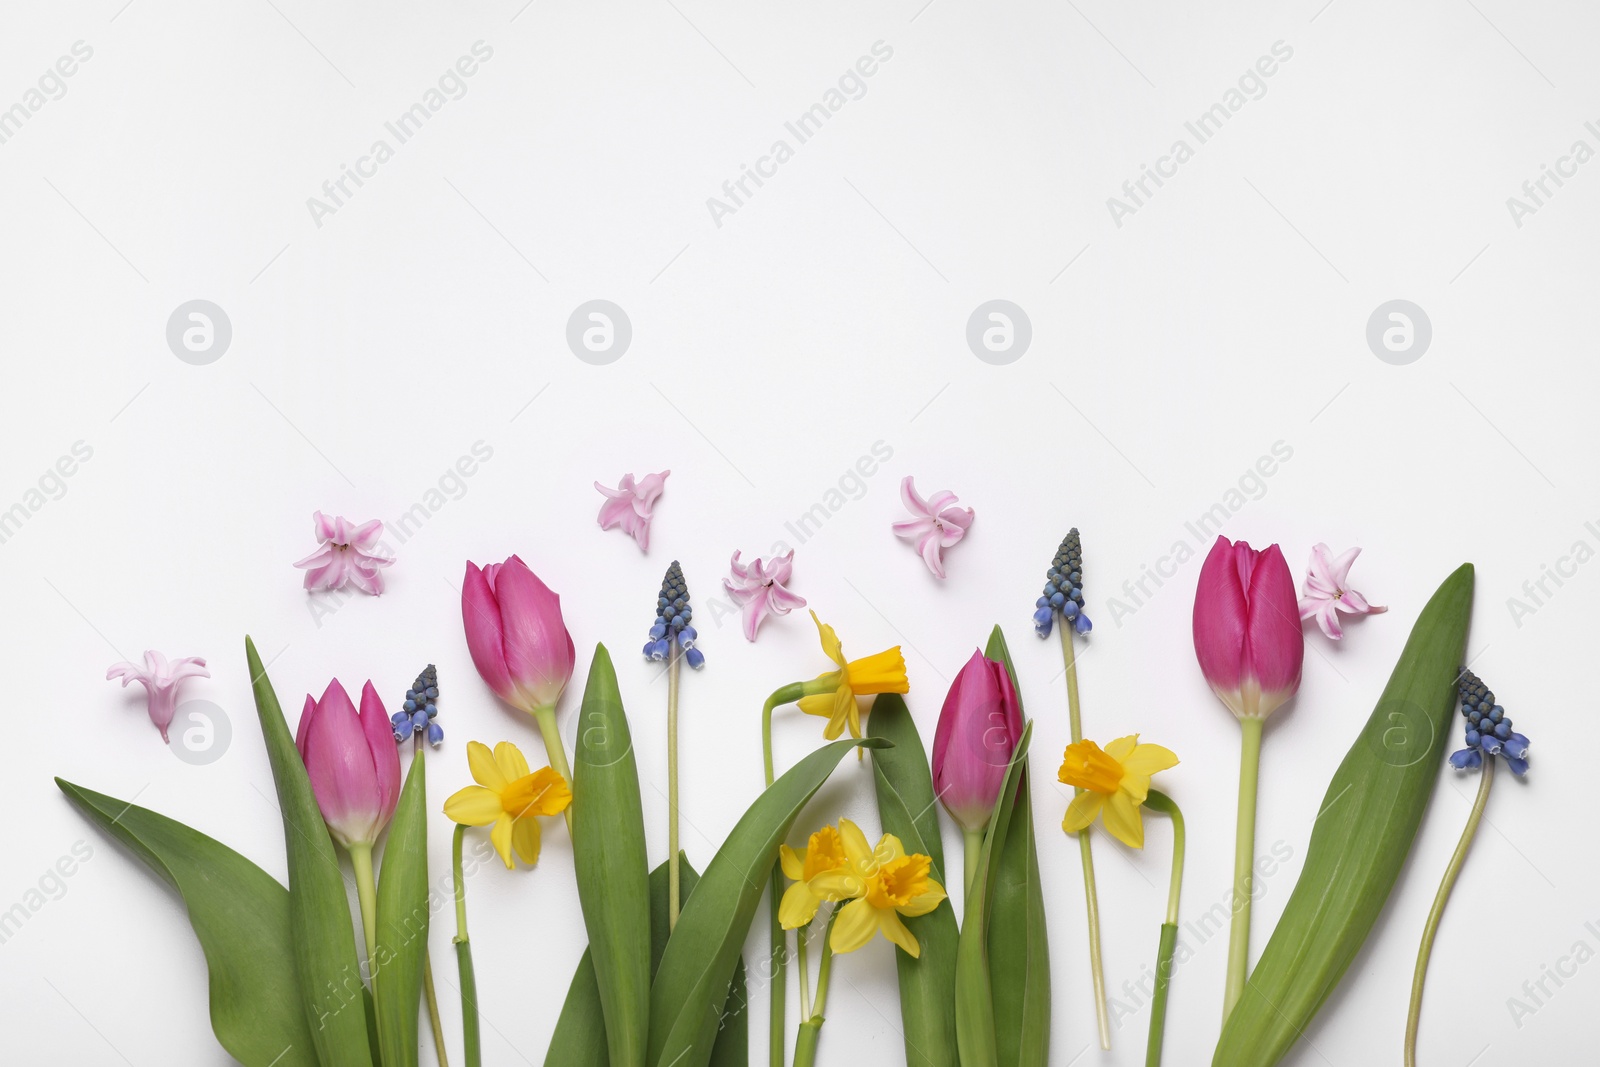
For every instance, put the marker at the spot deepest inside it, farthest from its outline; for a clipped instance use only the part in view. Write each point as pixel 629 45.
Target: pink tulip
pixel 978 730
pixel 352 761
pixel 518 640
pixel 1247 628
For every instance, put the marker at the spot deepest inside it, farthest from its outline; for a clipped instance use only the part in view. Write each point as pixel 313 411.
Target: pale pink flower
pixel 160 680
pixel 937 524
pixel 346 556
pixel 1328 591
pixel 758 589
pixel 629 505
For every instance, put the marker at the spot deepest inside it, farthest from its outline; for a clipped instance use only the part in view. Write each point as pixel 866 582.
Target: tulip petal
pixel 379 733
pixel 1221 615
pixel 480 615
pixel 539 653
pixel 1276 645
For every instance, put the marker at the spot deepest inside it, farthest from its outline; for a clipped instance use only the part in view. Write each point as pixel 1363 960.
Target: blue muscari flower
pixel 672 625
pixel 420 708
pixel 1063 590
pixel 1488 729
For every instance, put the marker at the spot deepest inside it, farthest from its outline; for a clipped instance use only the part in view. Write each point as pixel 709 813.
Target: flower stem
pixel 429 995
pixel 1158 801
pixel 1244 858
pixel 1431 928
pixel 801 950
pixel 1091 897
pixel 810 1031
pixel 971 852
pixel 778 943
pixel 554 749
pixel 367 894
pixel 469 980
pixel 673 883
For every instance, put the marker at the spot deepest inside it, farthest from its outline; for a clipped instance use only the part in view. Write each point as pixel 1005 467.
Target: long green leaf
pixel 1367 821
pixel 323 936
pixel 241 916
pixel 907 809
pixel 608 852
pixel 579 1038
pixel 700 959
pixel 403 915
pixel 1019 951
pixel 975 1022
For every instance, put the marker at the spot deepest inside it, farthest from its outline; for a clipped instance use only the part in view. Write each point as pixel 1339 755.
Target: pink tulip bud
pixel 979 727
pixel 352 762
pixel 1247 628
pixel 518 640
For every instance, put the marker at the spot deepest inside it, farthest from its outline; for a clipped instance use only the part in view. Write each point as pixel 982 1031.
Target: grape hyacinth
pixel 421 709
pixel 1063 590
pixel 1488 729
pixel 673 614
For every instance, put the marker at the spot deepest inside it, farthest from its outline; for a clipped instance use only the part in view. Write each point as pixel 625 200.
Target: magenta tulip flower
pixel 352 762
pixel 515 632
pixel 1247 628
pixel 979 727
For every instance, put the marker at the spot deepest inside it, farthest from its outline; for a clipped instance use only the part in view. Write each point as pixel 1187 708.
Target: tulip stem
pixel 1158 801
pixel 1431 928
pixel 1091 897
pixel 971 849
pixel 367 894
pixel 1244 858
pixel 555 750
pixel 469 980
pixel 673 884
pixel 779 940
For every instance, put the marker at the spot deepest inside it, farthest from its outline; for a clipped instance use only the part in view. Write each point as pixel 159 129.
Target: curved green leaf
pixel 692 985
pixel 907 809
pixel 239 913
pixel 403 915
pixel 323 936
pixel 608 853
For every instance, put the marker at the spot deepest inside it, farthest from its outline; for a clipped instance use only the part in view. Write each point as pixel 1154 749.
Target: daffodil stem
pixel 1097 969
pixel 429 994
pixel 971 852
pixel 1158 801
pixel 555 751
pixel 367 895
pixel 673 883
pixel 810 1031
pixel 1431 928
pixel 779 941
pixel 469 980
pixel 802 951
pixel 1244 858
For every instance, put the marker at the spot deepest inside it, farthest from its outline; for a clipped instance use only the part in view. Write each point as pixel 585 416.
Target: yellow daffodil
pixel 823 853
pixel 510 797
pixel 882 884
pixel 1115 781
pixel 835 698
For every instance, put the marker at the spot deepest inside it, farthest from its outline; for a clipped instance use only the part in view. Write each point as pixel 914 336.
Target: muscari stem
pixel 1091 897
pixel 1244 858
pixel 1159 801
pixel 429 995
pixel 673 876
pixel 555 750
pixel 367 894
pixel 1431 928
pixel 469 981
pixel 778 943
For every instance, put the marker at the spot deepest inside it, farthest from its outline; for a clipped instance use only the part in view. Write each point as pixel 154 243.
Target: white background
pixel 769 354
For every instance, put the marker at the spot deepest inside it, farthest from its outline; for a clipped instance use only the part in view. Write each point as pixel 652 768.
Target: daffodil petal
pixel 500 837
pixel 551 794
pixel 509 759
pixel 830 641
pixel 799 906
pixel 1122 820
pixel 889 849
pixel 485 771
pixel 925 901
pixel 794 867
pixel 819 704
pixel 1119 749
pixel 1148 759
pixel 525 838
pixel 856 848
pixel 1082 811
pixel 473 806
pixel 854 927
pixel 896 931
pixel 843 884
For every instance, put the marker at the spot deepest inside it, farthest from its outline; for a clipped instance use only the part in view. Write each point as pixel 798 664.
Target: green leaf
pixel 907 809
pixel 403 914
pixel 1367 821
pixel 1019 951
pixel 241 916
pixel 323 936
pixel 976 1038
pixel 579 1038
pixel 608 852
pixel 701 955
